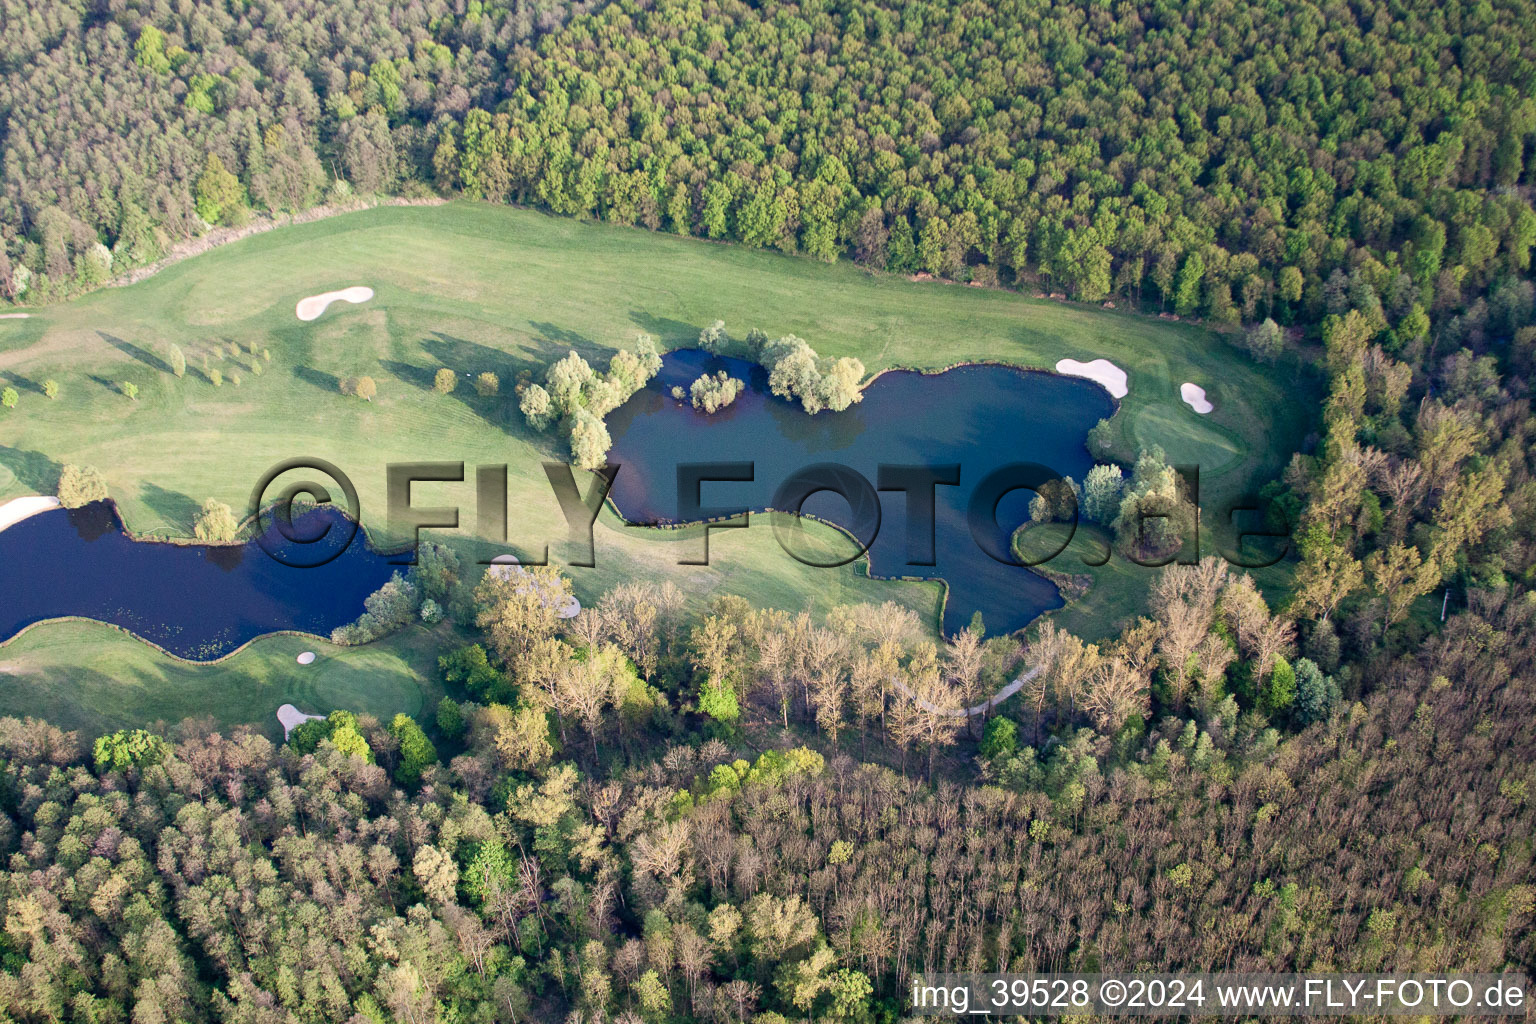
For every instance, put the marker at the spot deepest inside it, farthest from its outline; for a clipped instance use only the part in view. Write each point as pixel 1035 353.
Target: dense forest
pixel 1233 161
pixel 349 875
pixel 748 815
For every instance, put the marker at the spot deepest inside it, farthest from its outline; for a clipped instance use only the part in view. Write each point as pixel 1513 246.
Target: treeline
pixel 127 127
pixel 349 875
pixel 1235 162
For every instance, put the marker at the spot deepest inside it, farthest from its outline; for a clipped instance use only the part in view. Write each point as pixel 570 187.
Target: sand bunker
pixel 310 307
pixel 307 658
pixel 15 316
pixel 506 567
pixel 290 718
pixel 17 509
pixel 1101 371
pixel 1194 397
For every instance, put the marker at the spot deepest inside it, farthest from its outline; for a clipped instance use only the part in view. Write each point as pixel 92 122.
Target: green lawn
pixel 476 287
pixel 92 677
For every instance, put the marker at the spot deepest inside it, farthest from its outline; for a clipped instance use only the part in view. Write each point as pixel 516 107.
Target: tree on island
pixel 713 392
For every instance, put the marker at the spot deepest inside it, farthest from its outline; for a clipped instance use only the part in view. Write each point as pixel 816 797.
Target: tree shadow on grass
pixel 31 469
pixel 416 376
pixel 24 383
pixel 465 356
pixel 470 359
pixel 143 355
pixel 669 333
pixel 319 378
pixel 106 382
pixel 172 506
pixel 561 336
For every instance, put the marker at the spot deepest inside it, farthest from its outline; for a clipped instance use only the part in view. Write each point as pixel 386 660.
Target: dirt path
pixel 978 709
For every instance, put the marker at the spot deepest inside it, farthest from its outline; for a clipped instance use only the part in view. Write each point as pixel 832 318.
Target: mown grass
pixel 94 678
pixel 475 288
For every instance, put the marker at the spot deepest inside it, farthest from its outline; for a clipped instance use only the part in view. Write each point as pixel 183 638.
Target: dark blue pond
pixel 981 418
pixel 195 601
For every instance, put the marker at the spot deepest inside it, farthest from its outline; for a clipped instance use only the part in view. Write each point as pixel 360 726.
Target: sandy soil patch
pixel 1194 397
pixel 311 306
pixel 506 567
pixel 290 718
pixel 1100 371
pixel 17 509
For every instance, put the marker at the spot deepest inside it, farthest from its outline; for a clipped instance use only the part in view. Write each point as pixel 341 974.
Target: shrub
pixel 713 338
pixel 393 605
pixel 589 441
pixel 487 385
pixel 1264 340
pixel 51 388
pixel 416 751
pixel 536 407
pixel 471 668
pixel 718 701
pixel 1102 488
pixel 1000 739
pixel 444 381
pixel 81 485
pixel 128 748
pixel 216 523
pixel 450 718
pixel 9 397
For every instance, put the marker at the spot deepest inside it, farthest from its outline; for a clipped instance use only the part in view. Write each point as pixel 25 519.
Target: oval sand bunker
pixel 311 306
pixel 306 658
pixel 1194 397
pixel 1100 371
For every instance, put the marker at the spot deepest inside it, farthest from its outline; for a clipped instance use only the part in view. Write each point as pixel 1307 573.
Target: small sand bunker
pixel 310 307
pixel 1100 371
pixel 290 718
pixel 506 567
pixel 15 316
pixel 17 509
pixel 307 658
pixel 1194 397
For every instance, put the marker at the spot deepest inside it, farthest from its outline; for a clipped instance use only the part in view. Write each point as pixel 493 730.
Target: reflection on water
pixel 979 417
pixel 197 601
